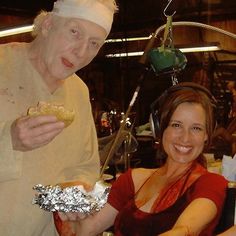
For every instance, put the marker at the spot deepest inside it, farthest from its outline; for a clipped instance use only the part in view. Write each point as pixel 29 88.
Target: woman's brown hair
pixel 193 93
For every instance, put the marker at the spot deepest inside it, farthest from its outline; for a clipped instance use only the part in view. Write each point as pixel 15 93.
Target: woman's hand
pixel 71 216
pixel 29 133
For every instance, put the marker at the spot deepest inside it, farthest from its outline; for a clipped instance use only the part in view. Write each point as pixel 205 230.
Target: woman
pixel 179 198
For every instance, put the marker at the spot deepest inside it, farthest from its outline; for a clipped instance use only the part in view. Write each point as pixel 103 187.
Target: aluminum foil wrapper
pixel 71 199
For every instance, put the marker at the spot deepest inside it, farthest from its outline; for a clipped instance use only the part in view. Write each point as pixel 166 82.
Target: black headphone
pixel 155 106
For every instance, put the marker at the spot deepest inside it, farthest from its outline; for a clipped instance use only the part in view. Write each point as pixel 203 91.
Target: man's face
pixel 70 44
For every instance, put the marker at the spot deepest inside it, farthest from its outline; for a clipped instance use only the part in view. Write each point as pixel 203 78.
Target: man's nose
pixel 81 48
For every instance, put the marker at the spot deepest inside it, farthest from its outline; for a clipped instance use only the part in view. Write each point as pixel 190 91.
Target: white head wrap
pixel 90 10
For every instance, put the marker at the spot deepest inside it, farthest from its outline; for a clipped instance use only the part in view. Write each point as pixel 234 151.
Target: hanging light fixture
pixel 206 47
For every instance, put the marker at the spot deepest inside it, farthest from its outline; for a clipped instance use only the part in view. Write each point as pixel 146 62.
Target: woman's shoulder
pixel 212 181
pixel 213 176
pixel 139 175
pixel 142 172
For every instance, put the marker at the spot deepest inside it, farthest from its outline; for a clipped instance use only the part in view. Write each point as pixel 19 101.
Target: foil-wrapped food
pixel 71 199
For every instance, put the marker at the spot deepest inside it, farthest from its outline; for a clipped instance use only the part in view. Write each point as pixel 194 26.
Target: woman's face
pixel 70 44
pixel 183 139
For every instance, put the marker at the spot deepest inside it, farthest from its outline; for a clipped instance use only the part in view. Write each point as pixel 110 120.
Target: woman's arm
pixel 92 224
pixel 121 191
pixel 198 214
pixel 97 223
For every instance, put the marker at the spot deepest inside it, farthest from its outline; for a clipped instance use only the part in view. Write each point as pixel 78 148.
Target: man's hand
pixel 29 133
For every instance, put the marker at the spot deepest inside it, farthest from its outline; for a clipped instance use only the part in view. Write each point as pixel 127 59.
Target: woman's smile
pixel 182 149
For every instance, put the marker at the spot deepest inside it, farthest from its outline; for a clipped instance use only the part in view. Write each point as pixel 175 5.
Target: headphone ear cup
pixel 154 120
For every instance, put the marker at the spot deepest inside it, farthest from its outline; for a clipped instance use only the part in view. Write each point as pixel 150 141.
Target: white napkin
pixel 229 167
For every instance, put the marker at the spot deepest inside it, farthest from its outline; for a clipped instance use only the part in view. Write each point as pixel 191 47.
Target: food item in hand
pixel 58 110
pixel 72 199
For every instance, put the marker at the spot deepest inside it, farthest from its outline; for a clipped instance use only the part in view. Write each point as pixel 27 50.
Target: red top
pixel 134 222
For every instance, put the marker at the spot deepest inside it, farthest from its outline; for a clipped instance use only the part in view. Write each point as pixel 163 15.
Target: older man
pixel 40 149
